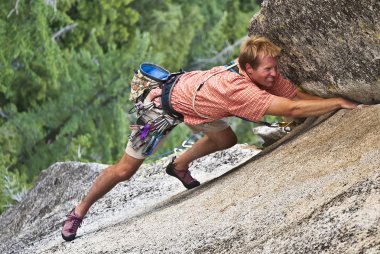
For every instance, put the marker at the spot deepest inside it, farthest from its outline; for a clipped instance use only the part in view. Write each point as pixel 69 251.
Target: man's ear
pixel 249 68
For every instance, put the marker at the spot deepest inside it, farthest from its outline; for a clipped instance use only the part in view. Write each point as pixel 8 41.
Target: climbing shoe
pixel 70 226
pixel 184 176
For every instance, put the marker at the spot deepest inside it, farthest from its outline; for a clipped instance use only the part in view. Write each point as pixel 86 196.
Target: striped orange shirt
pixel 223 95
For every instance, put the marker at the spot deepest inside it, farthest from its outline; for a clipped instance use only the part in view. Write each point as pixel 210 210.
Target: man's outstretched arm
pixel 307 107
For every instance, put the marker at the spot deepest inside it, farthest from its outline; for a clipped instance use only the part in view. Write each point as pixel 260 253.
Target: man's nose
pixel 273 72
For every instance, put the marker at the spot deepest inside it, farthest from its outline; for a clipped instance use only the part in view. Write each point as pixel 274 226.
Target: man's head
pixel 258 58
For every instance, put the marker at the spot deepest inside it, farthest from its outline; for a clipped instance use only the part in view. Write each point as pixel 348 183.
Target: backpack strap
pixel 234 68
pixel 199 86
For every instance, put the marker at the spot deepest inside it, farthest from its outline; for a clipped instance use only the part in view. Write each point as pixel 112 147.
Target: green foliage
pixel 91 107
pixel 112 22
pixel 65 97
pixel 172 26
pixel 13 187
pixel 227 21
pixel 29 57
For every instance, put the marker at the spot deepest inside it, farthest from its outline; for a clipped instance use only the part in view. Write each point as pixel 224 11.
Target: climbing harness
pixel 153 122
pixel 150 129
pixel 167 89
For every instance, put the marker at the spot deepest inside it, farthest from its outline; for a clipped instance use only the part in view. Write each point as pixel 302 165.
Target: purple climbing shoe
pixel 70 226
pixel 184 176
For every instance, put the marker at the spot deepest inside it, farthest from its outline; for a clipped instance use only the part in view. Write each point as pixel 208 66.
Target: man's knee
pixel 123 172
pixel 230 141
pixel 127 167
pixel 224 139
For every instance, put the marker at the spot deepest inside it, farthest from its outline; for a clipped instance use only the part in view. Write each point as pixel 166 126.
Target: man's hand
pixel 348 104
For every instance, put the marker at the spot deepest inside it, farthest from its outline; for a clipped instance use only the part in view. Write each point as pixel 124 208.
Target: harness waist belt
pixel 167 89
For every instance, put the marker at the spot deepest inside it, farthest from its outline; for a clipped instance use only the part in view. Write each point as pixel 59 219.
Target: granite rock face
pixel 317 190
pixel 35 223
pixel 330 48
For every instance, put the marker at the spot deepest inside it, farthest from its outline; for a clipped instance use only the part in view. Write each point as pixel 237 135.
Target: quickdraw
pixel 286 126
pixel 151 126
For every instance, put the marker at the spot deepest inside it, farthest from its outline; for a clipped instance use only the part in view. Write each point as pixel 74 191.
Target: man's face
pixel 265 74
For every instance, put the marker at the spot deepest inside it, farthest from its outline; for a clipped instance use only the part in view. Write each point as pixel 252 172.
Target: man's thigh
pixel 139 153
pixel 214 126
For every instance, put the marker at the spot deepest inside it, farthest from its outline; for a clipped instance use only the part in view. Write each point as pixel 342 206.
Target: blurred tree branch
pixel 15 9
pixel 63 31
pixel 220 57
pixel 53 3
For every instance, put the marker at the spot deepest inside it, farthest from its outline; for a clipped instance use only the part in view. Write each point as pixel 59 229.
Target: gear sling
pixel 153 122
pixel 149 131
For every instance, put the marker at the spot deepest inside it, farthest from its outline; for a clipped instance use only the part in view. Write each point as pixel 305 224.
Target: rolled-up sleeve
pixel 283 88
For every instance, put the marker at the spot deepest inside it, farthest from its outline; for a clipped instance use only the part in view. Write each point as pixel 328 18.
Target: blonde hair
pixel 253 48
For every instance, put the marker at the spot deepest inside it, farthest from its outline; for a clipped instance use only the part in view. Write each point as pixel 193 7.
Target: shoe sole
pixel 68 238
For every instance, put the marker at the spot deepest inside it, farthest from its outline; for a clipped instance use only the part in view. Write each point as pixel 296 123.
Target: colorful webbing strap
pixel 199 86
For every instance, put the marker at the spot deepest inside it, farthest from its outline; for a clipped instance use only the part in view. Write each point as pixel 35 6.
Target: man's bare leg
pixel 121 171
pixel 211 142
